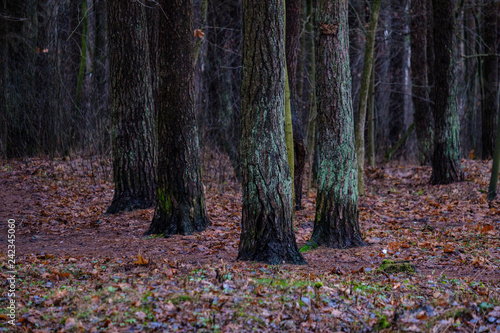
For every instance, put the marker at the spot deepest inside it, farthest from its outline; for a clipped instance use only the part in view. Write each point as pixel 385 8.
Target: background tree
pixel 420 82
pixel 489 91
pixel 180 206
pixel 133 137
pixel 292 39
pixel 221 77
pixel 446 155
pixel 336 222
pixel 267 233
pixel 364 92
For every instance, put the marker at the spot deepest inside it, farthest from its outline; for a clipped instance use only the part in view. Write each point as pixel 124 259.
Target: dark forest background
pixel 54 73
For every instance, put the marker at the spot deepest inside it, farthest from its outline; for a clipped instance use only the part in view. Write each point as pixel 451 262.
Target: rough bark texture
pixel 420 88
pixel 180 207
pixel 267 233
pixel 489 96
pixel 292 39
pixel 446 155
pixel 133 138
pixel 336 222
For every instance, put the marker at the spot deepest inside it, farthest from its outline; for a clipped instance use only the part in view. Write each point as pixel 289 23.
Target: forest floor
pixel 80 270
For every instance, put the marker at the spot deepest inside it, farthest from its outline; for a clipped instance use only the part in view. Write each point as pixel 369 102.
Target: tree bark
pixel 133 138
pixel 336 222
pixel 267 231
pixel 446 155
pixel 420 88
pixel 363 95
pixel 292 39
pixel 180 207
pixel 489 96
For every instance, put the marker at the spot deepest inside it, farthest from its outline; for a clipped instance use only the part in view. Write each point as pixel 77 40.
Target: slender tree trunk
pixel 180 207
pixel 489 96
pixel 420 89
pixel 495 168
pixel 336 222
pixel 133 138
pixel 3 80
pixel 446 155
pixel 370 119
pixel 222 34
pixel 267 230
pixel 292 40
pixel 289 133
pixel 397 74
pixel 363 95
pixel 312 114
pixel 469 127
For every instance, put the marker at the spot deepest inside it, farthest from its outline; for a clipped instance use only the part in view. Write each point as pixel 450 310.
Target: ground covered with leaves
pixel 432 263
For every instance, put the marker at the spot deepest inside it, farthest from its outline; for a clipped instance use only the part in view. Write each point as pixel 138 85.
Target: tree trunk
pixel 292 39
pixel 370 120
pixel 420 88
pixel 267 230
pixel 363 95
pixel 180 207
pixel 133 138
pixel 495 167
pixel 222 34
pixel 3 80
pixel 489 96
pixel 469 127
pixel 336 222
pixel 312 113
pixel 397 74
pixel 446 155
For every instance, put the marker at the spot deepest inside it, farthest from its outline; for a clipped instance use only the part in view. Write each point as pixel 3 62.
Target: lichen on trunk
pixel 446 156
pixel 180 207
pixel 336 222
pixel 267 232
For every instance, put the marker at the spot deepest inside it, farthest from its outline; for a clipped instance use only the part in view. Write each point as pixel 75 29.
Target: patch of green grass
pixel 283 283
pixel 180 299
pixel 389 266
pixel 382 322
pixel 154 236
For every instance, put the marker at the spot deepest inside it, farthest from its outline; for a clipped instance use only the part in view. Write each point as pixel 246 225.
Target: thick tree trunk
pixel 489 96
pixel 446 155
pixel 336 222
pixel 133 138
pixel 420 88
pixel 180 207
pixel 267 230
